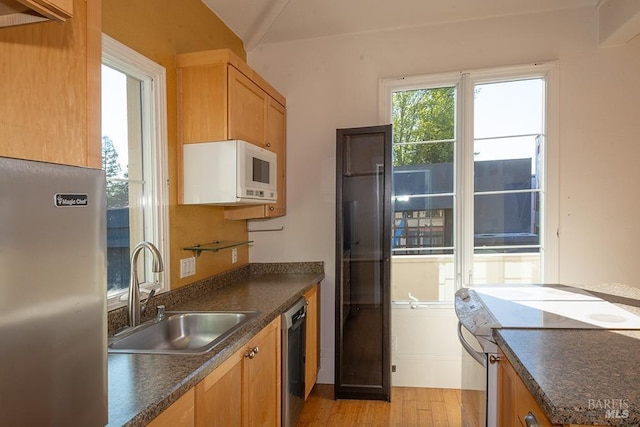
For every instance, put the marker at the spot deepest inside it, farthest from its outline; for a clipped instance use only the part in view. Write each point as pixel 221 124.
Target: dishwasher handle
pixel 477 356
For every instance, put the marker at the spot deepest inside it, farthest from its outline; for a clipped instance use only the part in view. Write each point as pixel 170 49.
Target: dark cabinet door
pixel 363 261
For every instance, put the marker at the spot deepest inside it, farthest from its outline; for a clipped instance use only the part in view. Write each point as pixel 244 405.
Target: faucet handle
pixel 143 306
pixel 160 312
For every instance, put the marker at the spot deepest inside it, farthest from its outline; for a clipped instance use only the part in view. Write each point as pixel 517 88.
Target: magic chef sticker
pixel 71 200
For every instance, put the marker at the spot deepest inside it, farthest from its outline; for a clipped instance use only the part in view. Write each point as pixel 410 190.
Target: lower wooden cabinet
pixel 245 389
pixel 312 354
pixel 515 404
pixel 219 395
pixel 179 414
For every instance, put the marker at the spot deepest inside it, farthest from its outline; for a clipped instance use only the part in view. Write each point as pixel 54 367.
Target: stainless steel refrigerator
pixel 52 295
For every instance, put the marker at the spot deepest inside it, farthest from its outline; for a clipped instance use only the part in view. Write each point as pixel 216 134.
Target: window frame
pixel 154 147
pixel 464 81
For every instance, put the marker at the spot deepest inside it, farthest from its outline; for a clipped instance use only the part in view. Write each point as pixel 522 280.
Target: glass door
pixel 363 255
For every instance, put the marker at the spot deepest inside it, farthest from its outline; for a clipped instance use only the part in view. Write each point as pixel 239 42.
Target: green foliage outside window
pixel 117 191
pixel 423 115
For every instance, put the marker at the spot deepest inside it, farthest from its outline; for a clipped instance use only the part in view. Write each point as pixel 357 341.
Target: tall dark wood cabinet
pixel 363 262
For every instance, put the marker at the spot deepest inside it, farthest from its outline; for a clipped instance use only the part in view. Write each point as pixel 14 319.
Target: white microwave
pixel 228 173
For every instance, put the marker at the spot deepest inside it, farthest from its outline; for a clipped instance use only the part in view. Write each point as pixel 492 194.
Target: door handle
pixel 477 356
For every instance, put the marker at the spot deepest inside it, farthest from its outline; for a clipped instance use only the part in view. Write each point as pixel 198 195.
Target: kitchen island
pixel 141 386
pixel 587 377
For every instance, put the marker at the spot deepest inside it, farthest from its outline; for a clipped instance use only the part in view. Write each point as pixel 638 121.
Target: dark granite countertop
pixel 578 376
pixel 141 386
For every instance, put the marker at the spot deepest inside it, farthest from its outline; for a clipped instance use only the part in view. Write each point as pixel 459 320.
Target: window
pixel 135 161
pixel 473 180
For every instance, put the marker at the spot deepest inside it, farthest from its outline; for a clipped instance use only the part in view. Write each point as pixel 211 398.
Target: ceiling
pixel 275 21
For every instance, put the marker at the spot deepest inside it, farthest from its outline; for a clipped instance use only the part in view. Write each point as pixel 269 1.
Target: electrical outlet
pixel 187 267
pixel 234 255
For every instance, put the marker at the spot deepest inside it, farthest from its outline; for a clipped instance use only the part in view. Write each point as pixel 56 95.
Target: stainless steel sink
pixel 180 332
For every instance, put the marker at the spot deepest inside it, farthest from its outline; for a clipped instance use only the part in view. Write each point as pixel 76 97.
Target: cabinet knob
pixel 268 145
pixel 494 359
pixel 252 352
pixel 530 420
pixel 271 208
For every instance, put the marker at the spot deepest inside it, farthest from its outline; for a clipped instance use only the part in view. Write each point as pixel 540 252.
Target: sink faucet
pixel 134 307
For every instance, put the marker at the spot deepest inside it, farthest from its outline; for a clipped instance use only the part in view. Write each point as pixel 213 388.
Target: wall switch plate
pixel 187 267
pixel 234 255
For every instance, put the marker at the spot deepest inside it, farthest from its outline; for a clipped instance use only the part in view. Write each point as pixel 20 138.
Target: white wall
pixel 333 83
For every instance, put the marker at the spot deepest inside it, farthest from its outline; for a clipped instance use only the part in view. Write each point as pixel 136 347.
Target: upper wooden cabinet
pixel 17 12
pixel 221 98
pixel 55 116
pixel 247 109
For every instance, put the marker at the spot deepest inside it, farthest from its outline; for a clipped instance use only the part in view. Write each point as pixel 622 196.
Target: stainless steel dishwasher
pixel 293 353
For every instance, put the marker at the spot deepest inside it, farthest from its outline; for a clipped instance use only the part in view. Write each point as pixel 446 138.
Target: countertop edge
pixel 209 362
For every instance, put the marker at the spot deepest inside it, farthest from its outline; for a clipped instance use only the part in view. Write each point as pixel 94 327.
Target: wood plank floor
pixel 409 406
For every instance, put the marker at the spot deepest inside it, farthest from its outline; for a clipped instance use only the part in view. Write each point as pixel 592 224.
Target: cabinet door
pixel 179 414
pixel 247 108
pixel 261 387
pixel 219 396
pixel 276 142
pixel 506 394
pixel 515 401
pixel 313 335
pixel 202 103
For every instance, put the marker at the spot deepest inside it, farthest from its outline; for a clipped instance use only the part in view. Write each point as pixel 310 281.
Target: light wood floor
pixel 409 406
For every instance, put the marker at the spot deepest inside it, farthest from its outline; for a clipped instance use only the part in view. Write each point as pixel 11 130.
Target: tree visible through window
pixel 423 126
pixel 117 189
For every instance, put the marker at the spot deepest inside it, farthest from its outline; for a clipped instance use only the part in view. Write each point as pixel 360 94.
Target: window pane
pixel 507 163
pixel 506 220
pixel 428 177
pixel 420 227
pixel 508 108
pixel 423 115
pixel 115 164
pixel 122 161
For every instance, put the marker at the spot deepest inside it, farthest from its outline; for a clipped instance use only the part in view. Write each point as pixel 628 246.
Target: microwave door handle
pixel 477 356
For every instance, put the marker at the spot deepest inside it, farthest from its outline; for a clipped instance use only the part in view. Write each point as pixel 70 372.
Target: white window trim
pixel 464 81
pixel 154 125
